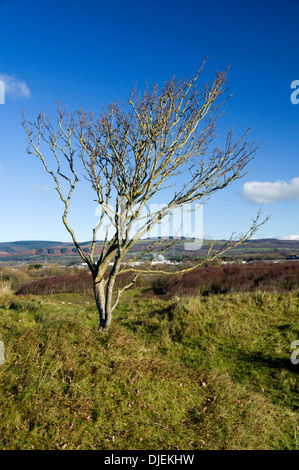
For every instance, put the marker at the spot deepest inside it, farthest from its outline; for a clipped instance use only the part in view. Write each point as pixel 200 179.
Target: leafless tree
pixel 130 155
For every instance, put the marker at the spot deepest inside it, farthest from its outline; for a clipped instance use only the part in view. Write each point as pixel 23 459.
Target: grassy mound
pixel 196 373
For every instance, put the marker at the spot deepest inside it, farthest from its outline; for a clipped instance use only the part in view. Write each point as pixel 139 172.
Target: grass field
pixel 201 372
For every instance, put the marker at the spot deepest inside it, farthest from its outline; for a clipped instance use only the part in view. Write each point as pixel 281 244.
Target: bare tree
pixel 129 156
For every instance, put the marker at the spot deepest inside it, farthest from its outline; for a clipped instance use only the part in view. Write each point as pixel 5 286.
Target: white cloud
pixel 265 192
pixel 14 87
pixel 289 237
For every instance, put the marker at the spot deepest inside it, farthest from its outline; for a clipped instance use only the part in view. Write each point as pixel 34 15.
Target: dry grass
pixel 5 288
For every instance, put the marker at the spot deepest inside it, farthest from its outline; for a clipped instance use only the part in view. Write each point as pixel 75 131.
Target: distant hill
pixel 55 252
pixel 38 251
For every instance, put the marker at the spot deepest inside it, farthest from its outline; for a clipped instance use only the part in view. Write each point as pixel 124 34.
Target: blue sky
pixel 86 54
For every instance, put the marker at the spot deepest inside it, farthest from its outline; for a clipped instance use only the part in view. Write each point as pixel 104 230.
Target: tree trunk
pixel 99 287
pixel 103 292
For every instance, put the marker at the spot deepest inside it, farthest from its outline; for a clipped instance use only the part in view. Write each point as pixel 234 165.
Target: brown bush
pixel 220 279
pixel 280 277
pixel 67 283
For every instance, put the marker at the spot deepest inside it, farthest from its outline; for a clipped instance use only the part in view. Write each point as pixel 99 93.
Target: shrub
pixel 35 266
pixel 280 277
pixel 270 277
pixel 16 277
pixel 66 283
pixel 160 285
